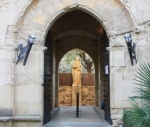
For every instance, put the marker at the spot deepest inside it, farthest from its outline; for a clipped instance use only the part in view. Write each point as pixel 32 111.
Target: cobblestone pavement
pixel 88 117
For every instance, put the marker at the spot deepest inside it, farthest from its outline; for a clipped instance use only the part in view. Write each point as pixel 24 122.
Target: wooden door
pixel 47 86
pixel 106 81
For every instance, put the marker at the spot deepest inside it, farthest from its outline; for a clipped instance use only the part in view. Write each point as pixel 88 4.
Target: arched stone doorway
pixel 65 79
pixel 37 18
pixel 71 31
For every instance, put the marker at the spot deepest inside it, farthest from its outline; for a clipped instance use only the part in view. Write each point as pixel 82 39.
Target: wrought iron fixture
pixel 131 47
pixel 24 51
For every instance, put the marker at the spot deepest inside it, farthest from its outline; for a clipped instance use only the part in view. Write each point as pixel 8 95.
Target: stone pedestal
pixel 75 90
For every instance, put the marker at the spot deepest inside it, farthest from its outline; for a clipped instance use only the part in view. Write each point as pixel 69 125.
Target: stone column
pixel 28 87
pixel 117 83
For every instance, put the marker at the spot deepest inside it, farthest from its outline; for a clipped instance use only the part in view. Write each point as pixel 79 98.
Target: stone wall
pixel 88 95
pixel 87 90
pixel 65 96
pixel 24 17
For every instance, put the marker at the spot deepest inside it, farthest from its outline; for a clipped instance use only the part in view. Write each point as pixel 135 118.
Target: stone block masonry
pixel 88 96
pixel 26 17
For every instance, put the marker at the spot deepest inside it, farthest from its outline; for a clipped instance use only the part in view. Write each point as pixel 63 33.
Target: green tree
pixel 69 58
pixel 139 114
pixel 87 62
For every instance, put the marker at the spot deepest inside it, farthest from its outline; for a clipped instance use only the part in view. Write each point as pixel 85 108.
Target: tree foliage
pixel 87 62
pixel 69 58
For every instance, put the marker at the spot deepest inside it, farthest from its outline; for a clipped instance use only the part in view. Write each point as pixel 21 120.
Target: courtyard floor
pixel 89 116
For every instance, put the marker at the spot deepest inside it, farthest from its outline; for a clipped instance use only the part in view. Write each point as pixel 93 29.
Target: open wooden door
pixel 47 96
pixel 47 84
pixel 106 80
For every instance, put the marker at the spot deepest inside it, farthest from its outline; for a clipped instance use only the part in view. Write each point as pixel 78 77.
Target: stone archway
pixel 36 15
pixel 76 34
pixel 65 81
pixel 38 19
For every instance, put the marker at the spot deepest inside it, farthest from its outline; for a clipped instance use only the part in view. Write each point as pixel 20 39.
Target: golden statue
pixel 76 72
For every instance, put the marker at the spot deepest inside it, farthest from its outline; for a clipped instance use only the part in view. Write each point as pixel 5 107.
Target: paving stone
pixel 89 117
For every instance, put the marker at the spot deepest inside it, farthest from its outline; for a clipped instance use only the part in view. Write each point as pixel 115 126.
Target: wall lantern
pixel 131 48
pixel 24 51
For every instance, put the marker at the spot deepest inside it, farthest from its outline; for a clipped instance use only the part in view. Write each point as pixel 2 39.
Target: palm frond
pixel 139 115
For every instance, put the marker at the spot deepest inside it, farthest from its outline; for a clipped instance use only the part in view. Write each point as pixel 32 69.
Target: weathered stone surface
pixel 65 96
pixel 5 124
pixel 26 124
pixel 75 90
pixel 139 8
pixel 88 95
pixel 6 93
pixel 87 98
pixel 117 58
pixel 31 97
pixel 25 17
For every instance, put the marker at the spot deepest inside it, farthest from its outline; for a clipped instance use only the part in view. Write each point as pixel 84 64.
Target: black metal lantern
pixel 31 41
pixel 24 51
pixel 131 48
